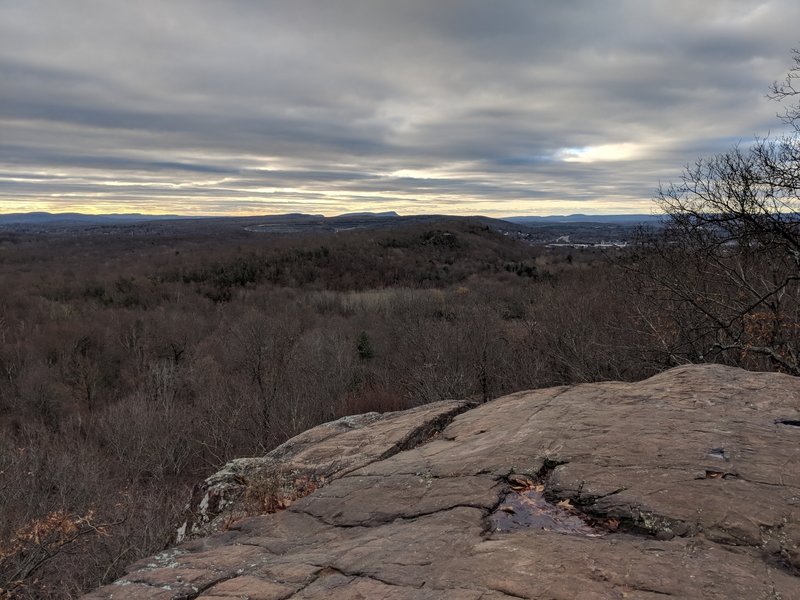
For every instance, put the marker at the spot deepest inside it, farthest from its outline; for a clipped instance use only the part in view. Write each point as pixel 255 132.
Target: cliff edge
pixel 684 485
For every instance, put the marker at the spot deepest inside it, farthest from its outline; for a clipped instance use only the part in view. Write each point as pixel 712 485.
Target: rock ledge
pixel 684 485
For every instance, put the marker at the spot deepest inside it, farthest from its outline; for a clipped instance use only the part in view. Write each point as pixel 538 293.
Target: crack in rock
pixel 308 462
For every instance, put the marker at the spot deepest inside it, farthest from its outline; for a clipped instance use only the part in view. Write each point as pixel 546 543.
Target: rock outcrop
pixel 684 485
pixel 309 461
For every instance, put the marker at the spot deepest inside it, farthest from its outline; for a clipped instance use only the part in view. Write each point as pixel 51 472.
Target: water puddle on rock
pixel 525 507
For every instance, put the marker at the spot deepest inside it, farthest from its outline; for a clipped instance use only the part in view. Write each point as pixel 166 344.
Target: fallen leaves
pixel 565 504
pixel 523 483
pixel 37 543
pixel 525 506
pixel 520 482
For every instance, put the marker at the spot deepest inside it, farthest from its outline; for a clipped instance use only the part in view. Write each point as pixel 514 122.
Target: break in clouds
pixel 458 107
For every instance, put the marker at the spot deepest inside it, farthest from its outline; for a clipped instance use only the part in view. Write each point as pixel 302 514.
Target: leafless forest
pixel 135 364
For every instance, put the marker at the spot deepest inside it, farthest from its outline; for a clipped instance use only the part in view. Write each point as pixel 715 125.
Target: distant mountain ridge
pixel 633 219
pixel 388 213
pixel 44 218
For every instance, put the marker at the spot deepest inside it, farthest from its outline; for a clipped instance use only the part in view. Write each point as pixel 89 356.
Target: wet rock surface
pixel 684 485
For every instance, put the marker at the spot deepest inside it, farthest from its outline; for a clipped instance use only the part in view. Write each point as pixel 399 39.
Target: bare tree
pixel 788 90
pixel 727 264
pixel 264 348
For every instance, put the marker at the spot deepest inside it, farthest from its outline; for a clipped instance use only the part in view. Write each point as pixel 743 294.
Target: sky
pixel 497 107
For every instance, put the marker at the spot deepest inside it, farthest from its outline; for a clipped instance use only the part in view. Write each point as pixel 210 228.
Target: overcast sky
pixel 454 106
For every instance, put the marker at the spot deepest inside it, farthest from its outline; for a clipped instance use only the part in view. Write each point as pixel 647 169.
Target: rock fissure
pixel 326 522
pixel 364 575
pixel 197 591
pixel 180 588
pixel 651 590
pixel 425 431
pixel 310 461
pixel 782 562
pixel 382 520
pixel 508 593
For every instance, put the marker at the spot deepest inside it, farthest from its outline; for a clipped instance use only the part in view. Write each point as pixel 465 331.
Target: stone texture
pixel 688 484
pixel 308 461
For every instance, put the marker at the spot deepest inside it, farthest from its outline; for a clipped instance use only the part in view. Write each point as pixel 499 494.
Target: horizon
pixel 463 109
pixel 327 216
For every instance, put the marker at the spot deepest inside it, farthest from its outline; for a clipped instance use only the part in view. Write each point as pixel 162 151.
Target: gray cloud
pixel 457 106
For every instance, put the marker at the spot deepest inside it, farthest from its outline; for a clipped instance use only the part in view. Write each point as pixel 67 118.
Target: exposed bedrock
pixel 684 485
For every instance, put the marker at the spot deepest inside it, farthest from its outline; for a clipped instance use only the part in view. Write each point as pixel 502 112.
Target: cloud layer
pixel 454 106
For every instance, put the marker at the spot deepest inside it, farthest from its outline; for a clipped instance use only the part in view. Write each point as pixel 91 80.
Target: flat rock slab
pixel 309 461
pixel 684 485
